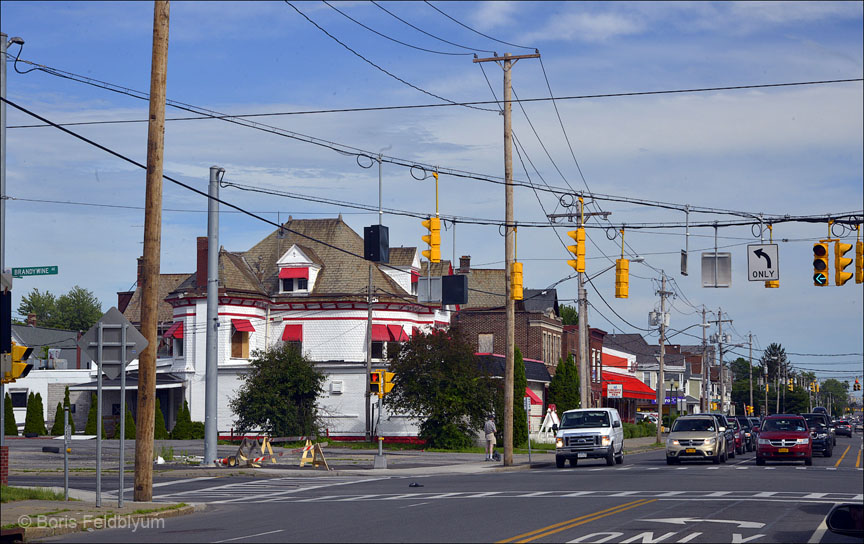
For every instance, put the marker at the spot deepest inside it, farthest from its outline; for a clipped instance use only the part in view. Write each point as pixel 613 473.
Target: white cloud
pixel 585 27
pixel 494 14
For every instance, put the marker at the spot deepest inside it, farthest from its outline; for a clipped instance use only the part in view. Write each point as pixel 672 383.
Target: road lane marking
pixel 249 536
pixel 837 464
pixel 820 531
pixel 858 460
pixel 413 505
pixel 569 524
pixel 814 496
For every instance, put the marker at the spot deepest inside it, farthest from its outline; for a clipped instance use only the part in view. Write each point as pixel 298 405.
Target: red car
pixel 740 436
pixel 784 437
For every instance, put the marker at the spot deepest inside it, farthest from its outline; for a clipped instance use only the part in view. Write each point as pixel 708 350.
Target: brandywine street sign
pixel 33 271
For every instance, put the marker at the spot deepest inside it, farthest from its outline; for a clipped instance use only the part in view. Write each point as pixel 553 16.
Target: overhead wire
pixel 418 29
pixel 473 30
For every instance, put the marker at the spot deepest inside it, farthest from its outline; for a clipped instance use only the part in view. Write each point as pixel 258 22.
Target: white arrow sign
pixel 683 521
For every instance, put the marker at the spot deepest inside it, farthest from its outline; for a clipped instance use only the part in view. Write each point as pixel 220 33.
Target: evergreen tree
pixel 183 427
pixel 57 427
pixel 40 415
pixel 129 431
pixel 66 403
pixel 34 421
pixel 11 427
pixel 92 417
pixel 160 432
pixel 564 387
pixel 520 383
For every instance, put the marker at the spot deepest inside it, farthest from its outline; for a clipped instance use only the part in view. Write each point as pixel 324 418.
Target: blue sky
pixel 790 150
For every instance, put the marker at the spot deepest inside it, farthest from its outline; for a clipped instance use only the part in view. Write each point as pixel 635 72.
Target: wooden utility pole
pixel 508 62
pixel 661 379
pixel 150 264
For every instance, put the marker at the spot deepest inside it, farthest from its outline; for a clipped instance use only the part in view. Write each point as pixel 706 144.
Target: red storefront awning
pixel 634 388
pixel 285 273
pixel 533 396
pixel 174 331
pixel 397 334
pixel 380 333
pixel 292 333
pixel 243 325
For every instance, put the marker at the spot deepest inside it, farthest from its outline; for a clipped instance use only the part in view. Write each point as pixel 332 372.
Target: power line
pixel 427 33
pixel 475 31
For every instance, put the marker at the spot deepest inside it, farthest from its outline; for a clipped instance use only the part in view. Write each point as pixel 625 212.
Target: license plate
pixel 783 450
pixel 581 455
pixel 690 450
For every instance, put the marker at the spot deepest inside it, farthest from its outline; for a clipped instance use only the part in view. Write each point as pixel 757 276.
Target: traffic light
pixel 841 262
pixel 578 250
pixel 19 368
pixel 859 262
pixel 622 278
pixel 772 284
pixel 375 381
pixel 812 387
pixel 388 381
pixel 516 281
pixel 433 239
pixel 790 384
pixel 817 387
pixel 857 386
pixel 820 264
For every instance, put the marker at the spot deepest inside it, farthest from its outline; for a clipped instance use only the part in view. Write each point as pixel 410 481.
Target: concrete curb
pixel 95 523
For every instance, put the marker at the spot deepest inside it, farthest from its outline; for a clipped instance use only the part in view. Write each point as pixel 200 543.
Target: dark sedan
pixel 841 426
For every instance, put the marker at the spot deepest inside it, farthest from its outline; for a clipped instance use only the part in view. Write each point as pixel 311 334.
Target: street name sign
pixel 763 263
pixel 34 271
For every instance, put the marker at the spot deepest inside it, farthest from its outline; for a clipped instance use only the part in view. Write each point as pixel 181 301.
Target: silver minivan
pixel 589 433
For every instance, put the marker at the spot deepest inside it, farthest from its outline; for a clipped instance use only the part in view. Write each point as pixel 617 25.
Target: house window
pixel 178 347
pixel 296 345
pixel 19 399
pixel 485 343
pixel 239 344
pixel 164 348
pixel 290 285
pixel 377 350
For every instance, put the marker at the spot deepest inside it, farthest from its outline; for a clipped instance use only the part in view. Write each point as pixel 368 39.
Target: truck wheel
pixel 716 459
pixel 760 461
pixel 670 460
pixel 828 452
pixel 573 462
pixel 559 461
pixel 620 459
pixel 808 461
pixel 610 456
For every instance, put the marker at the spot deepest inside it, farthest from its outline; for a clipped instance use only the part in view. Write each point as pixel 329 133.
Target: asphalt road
pixel 643 500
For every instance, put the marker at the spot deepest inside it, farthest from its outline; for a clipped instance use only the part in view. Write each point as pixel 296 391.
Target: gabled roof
pixel 402 256
pixel 646 354
pixel 535 371
pixel 540 300
pixel 39 337
pixel 485 289
pixel 164 311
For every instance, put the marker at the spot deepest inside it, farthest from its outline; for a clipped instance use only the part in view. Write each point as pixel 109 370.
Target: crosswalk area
pixel 772 496
pixel 264 490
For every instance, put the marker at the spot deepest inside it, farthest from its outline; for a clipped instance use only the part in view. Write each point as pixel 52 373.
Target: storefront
pixel 626 394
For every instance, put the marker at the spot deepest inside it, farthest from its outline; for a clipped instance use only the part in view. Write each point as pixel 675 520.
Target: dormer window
pixel 294 279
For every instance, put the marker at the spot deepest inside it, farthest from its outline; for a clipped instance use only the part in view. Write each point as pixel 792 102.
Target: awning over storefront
pixel 634 388
pixel 243 325
pixel 292 333
pixel 533 396
pixel 286 273
pixel 163 381
pixel 174 331
pixel 380 333
pixel 397 334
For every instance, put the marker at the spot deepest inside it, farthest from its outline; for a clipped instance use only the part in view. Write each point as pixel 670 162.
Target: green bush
pixel 183 427
pixel 160 432
pixel 34 421
pixel 66 403
pixel 9 424
pixel 57 427
pixel 129 430
pixel 446 436
pixel 92 417
pixel 196 430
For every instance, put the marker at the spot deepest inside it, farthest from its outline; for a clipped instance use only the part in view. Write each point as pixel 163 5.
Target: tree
pixel 564 387
pixel 183 426
pixel 439 381
pixel 129 429
pixel 66 403
pixel 520 418
pixel 774 358
pixel 279 393
pixel 57 428
pixel 9 424
pixel 160 432
pixel 92 418
pixel 838 392
pixel 43 305
pixel 77 310
pixel 34 421
pixel 569 314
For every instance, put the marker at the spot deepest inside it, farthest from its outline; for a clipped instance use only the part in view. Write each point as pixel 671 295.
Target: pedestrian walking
pixel 490 430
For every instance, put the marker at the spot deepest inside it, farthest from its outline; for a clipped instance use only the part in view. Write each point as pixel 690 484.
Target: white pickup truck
pixel 589 433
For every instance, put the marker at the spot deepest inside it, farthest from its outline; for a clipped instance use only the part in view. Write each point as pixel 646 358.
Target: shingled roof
pixel 484 284
pixel 164 311
pixel 402 256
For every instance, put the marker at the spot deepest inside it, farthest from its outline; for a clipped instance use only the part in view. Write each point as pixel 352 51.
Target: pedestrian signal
pixel 820 264
pixel 375 381
pixel 841 262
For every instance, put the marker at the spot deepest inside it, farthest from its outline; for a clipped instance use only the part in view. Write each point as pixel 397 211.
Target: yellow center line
pixel 858 460
pixel 551 529
pixel 837 464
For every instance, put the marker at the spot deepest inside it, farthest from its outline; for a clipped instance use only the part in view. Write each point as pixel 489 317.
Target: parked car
pixel 749 436
pixel 841 426
pixel 589 433
pixel 728 434
pixel 784 437
pixel 819 433
pixel 738 433
pixel 695 437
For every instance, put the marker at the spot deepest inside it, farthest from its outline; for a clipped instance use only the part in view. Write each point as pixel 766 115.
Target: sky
pixel 791 150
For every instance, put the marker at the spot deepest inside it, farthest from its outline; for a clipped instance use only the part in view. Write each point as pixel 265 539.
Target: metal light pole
pixel 211 383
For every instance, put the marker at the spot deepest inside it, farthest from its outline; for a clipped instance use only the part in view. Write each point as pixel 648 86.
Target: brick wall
pixel 4 465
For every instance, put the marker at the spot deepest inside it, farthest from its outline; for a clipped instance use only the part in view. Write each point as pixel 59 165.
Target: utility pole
pixel 506 62
pixel 143 491
pixel 750 364
pixel 211 376
pixel 705 403
pixel 720 340
pixel 661 382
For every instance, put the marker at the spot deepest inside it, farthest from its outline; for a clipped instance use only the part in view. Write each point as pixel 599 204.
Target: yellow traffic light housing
pixel 578 249
pixel 790 384
pixel 859 262
pixel 516 281
pixel 375 381
pixel 841 262
pixel 388 381
pixel 820 264
pixel 433 239
pixel 622 278
pixel 19 368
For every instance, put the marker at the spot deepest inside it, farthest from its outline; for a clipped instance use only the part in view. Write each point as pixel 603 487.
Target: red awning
pixel 243 325
pixel 634 388
pixel 614 361
pixel 174 331
pixel 414 331
pixel 380 333
pixel 292 333
pixel 397 334
pixel 285 273
pixel 533 396
pixel 415 276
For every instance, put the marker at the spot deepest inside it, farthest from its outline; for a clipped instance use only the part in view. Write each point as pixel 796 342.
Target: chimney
pixel 201 271
pixel 31 319
pixel 464 264
pixel 123 298
pixel 140 277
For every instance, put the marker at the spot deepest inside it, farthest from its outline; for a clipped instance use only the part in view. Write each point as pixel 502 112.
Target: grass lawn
pixel 9 494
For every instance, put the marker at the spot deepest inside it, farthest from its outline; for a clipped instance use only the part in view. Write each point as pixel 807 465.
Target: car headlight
pixel 559 442
pixel 764 442
pixel 672 442
pixel 605 441
pixel 709 441
pixel 803 440
pixel 821 435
